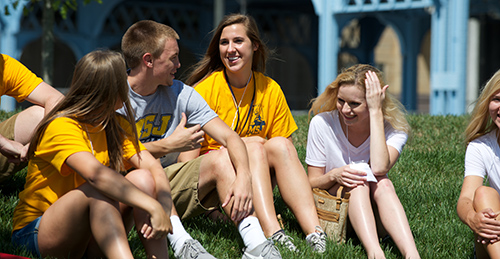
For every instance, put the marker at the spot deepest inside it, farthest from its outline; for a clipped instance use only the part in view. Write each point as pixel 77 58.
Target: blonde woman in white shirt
pixel 479 205
pixel 358 121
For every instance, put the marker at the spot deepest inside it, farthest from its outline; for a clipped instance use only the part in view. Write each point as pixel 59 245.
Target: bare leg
pixel 393 217
pixel 363 220
pixel 293 182
pixel 217 172
pixel 26 122
pixel 142 179
pixel 262 188
pixel 487 197
pixel 67 226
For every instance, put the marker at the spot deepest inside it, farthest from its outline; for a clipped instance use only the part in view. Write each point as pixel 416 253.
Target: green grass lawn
pixel 427 178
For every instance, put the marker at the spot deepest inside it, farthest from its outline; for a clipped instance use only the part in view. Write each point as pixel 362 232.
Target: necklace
pixel 237 112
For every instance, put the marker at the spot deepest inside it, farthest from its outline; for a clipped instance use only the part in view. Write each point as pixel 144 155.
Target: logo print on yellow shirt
pixel 258 123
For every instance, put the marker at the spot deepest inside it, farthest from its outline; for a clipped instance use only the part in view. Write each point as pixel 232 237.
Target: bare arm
pixel 382 157
pixel 182 139
pixel 162 185
pixel 343 175
pixel 116 187
pixel 188 155
pixel 482 223
pixel 15 150
pixel 45 96
pixel 241 189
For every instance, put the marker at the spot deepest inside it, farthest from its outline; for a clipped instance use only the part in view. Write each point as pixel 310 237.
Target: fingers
pixel 352 177
pixel 146 231
pixel 241 207
pixel 227 199
pixel 235 213
pixel 182 123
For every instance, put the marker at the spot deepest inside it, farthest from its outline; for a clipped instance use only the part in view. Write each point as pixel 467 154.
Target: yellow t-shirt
pixel 48 175
pixel 16 80
pixel 270 116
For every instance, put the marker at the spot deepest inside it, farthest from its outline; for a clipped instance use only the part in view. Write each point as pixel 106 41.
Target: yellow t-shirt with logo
pixel 270 116
pixel 16 80
pixel 49 177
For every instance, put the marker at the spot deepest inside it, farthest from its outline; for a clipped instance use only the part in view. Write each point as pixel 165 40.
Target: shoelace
pixel 318 240
pixel 194 251
pixel 286 240
pixel 267 249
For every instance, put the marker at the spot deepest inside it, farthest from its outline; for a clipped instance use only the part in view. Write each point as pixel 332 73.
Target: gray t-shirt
pixel 157 115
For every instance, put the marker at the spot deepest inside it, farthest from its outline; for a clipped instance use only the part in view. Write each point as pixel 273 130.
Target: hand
pixel 375 94
pixel 348 177
pixel 485 225
pixel 159 225
pixel 185 139
pixel 241 191
pixel 14 151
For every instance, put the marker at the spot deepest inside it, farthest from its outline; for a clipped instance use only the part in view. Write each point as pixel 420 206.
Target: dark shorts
pixel 27 237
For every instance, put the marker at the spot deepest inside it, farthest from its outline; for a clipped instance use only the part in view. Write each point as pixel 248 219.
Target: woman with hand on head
pixel 231 79
pixel 356 120
pixel 478 205
pixel 76 199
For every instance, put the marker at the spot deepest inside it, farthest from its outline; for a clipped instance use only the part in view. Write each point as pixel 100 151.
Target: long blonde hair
pixel 211 60
pixel 392 109
pixel 99 82
pixel 480 122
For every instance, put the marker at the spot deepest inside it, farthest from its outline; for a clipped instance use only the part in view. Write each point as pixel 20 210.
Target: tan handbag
pixel 332 212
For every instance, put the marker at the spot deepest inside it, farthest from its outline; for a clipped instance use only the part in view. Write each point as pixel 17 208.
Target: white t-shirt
pixel 482 158
pixel 327 145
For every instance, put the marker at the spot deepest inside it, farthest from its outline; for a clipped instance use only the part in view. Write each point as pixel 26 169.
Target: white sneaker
pixel 192 249
pixel 266 250
pixel 281 239
pixel 317 240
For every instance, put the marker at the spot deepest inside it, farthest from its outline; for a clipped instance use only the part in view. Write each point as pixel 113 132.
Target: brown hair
pixel 145 37
pixel 211 61
pixel 99 82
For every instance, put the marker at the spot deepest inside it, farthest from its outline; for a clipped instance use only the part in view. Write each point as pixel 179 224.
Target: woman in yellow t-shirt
pixel 76 202
pixel 230 78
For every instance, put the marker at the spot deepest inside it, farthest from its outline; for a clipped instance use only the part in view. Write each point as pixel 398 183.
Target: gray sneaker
pixel 266 250
pixel 192 249
pixel 281 239
pixel 317 240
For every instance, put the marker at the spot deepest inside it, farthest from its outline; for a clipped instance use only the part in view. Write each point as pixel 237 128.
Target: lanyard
pixel 238 106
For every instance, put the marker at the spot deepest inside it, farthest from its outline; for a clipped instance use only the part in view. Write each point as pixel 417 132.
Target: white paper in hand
pixel 362 166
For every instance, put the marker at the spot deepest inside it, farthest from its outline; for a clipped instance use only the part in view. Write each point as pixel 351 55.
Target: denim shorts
pixel 27 237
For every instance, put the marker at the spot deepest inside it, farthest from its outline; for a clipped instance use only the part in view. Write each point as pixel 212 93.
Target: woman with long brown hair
pixel 77 200
pixel 231 79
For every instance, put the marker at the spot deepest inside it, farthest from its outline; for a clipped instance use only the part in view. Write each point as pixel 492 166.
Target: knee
pixel 483 194
pixel 280 147
pixel 383 188
pixel 218 164
pixel 256 152
pixel 143 180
